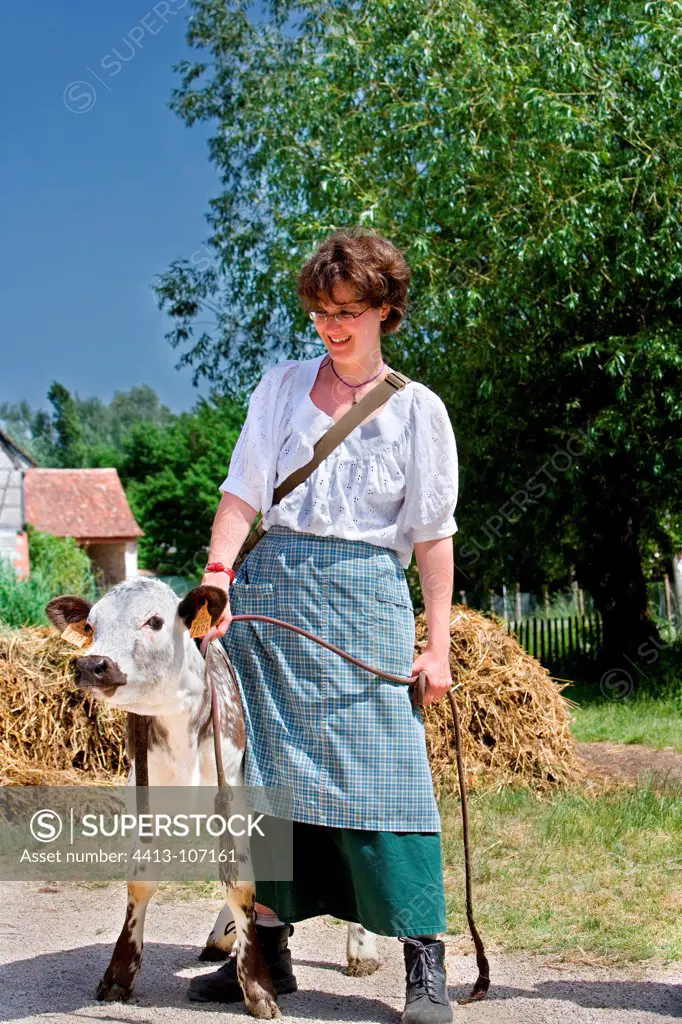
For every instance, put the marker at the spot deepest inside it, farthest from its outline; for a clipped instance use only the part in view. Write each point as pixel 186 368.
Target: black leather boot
pixel 222 986
pixel 426 995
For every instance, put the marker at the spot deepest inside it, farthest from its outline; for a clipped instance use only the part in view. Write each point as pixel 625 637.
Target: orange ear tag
pixel 201 623
pixel 75 634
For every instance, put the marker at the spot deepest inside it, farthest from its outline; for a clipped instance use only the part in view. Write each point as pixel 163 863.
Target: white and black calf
pixel 142 659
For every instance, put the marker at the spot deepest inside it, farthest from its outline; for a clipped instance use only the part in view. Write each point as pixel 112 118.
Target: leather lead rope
pixel 139 728
pixel 482 983
pixel 217 727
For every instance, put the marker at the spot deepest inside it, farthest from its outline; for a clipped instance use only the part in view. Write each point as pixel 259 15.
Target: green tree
pixel 82 431
pixel 69 444
pixel 171 475
pixel 140 404
pixel 32 429
pixel 527 159
pixel 17 420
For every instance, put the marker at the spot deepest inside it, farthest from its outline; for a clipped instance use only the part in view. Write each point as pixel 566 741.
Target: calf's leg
pixel 119 976
pixel 221 938
pixel 361 945
pixel 252 971
pixel 361 951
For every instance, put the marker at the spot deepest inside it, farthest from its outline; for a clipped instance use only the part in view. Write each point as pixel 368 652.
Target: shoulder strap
pixel 392 382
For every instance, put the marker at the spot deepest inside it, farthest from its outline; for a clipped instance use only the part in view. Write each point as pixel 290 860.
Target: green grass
pixel 654 723
pixel 571 874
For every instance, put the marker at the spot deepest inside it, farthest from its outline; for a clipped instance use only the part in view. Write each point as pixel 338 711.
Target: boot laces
pixel 421 971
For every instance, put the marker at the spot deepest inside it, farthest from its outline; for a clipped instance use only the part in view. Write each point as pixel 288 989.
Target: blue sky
pixel 103 187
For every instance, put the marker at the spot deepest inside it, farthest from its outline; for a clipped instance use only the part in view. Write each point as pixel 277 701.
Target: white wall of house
pixel 131 559
pixel 12 466
pixel 8 545
pixel 117 560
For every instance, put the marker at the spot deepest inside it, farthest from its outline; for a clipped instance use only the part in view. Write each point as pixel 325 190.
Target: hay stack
pixel 50 734
pixel 515 723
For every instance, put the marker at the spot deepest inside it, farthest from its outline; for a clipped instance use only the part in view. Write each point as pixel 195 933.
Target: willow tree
pixel 526 157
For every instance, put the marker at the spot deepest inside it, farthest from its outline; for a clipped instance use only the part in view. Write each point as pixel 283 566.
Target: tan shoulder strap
pixel 392 382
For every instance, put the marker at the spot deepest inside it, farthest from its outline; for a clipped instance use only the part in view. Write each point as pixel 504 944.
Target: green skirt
pixel 389 882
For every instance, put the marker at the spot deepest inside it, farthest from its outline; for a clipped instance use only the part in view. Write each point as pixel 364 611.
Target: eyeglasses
pixel 318 317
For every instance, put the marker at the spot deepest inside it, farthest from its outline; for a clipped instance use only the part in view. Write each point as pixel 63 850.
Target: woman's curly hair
pixel 363 259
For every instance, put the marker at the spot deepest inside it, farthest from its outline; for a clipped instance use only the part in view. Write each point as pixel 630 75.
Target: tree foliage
pixel 69 447
pixel 82 431
pixel 171 467
pixel 172 475
pixel 526 157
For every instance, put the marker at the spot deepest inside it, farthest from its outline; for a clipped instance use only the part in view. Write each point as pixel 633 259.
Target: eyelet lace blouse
pixel 392 482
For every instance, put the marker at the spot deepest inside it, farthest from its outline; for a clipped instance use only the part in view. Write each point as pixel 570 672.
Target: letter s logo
pixel 46 825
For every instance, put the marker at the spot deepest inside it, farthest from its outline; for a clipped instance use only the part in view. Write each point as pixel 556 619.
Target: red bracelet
pixel 219 567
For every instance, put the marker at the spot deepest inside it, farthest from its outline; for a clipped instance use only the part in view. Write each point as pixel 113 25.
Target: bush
pixel 58 566
pixel 22 601
pixel 64 565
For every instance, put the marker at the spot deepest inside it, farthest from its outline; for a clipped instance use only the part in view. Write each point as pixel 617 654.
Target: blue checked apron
pixel 347 743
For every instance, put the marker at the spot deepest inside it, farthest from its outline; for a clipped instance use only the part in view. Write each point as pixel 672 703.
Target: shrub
pixel 22 601
pixel 62 563
pixel 58 566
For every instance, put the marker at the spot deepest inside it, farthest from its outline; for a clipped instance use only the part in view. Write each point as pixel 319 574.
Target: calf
pixel 141 658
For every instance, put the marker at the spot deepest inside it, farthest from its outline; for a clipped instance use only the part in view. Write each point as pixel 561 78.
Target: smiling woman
pixel 350 749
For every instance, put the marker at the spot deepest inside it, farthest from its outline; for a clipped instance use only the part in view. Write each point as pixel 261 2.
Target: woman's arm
pixel 436 565
pixel 230 529
pixel 231 526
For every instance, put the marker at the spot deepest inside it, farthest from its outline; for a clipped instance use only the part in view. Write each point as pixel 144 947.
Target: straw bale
pixel 515 722
pixel 50 733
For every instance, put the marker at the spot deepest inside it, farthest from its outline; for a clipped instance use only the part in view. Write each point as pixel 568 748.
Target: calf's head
pixel 137 653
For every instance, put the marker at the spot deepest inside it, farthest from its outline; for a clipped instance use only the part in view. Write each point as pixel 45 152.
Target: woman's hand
pixel 222 581
pixel 436 664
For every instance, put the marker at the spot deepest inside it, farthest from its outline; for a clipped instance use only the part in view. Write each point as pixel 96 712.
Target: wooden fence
pixel 550 639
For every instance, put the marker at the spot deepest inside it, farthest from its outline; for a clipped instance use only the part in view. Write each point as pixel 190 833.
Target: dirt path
pixel 54 947
pixel 625 762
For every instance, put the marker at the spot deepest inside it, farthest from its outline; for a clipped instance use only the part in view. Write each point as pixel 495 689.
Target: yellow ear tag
pixel 75 634
pixel 201 623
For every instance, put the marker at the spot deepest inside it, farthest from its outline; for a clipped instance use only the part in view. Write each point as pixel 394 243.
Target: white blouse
pixel 392 481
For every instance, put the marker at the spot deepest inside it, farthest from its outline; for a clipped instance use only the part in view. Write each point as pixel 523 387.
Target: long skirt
pixel 345 745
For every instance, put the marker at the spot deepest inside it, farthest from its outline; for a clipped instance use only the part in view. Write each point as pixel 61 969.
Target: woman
pixel 366 826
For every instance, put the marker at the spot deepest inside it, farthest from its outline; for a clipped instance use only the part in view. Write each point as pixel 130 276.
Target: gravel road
pixel 54 946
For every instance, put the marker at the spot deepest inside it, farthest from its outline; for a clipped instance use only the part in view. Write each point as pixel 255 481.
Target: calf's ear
pixel 67 611
pixel 202 604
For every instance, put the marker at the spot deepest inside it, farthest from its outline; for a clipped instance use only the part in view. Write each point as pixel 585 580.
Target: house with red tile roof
pixel 90 505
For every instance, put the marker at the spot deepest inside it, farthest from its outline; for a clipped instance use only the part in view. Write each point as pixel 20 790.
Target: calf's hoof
pixel 109 991
pixel 264 1008
pixel 212 954
pixel 360 968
